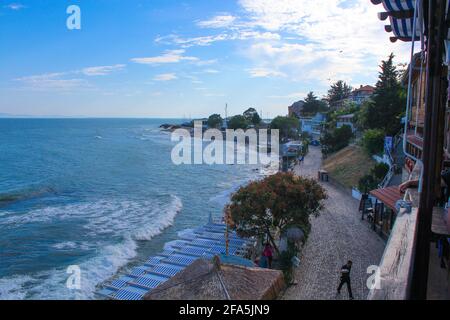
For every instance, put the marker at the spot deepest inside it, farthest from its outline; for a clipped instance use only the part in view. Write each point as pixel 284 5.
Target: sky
pixel 184 59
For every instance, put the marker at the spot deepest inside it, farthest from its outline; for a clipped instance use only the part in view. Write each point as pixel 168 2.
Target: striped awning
pixel 401 19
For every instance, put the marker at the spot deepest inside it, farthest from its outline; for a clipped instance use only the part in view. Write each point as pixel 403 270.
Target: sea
pixel 98 194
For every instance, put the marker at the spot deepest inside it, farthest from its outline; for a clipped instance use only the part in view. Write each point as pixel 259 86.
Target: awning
pixel 389 196
pixel 401 19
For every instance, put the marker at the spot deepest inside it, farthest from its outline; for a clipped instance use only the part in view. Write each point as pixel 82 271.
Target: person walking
pixel 345 279
pixel 268 254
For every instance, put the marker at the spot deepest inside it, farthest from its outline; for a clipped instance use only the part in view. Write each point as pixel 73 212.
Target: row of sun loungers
pixel 201 243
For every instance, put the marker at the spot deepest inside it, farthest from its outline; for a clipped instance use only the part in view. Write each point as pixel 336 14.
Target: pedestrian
pixel 345 279
pixel 268 254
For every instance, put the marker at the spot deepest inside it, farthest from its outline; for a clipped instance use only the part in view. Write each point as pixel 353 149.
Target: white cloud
pixel 335 38
pixel 264 73
pixel 308 39
pixel 165 77
pixel 220 21
pixel 52 81
pixel 211 71
pixel 102 70
pixel 295 95
pixel 170 56
pixel 15 6
pixel 203 41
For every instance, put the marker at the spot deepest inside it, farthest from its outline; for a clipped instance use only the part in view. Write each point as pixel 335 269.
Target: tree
pixel 269 206
pixel 288 126
pixel 238 122
pixel 387 106
pixel 338 91
pixel 215 121
pixel 380 171
pixel 373 141
pixel 252 116
pixel 367 183
pixel 336 140
pixel 313 104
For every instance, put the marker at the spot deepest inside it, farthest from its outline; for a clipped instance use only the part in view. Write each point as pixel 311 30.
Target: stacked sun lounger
pixel 202 243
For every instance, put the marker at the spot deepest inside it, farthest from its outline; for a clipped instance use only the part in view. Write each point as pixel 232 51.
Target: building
pixel 412 264
pixel 416 114
pixel 358 96
pixel 313 125
pixel 346 120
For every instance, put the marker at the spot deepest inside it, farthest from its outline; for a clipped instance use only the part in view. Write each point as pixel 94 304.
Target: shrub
pixel 373 141
pixel 367 183
pixel 336 140
pixel 380 171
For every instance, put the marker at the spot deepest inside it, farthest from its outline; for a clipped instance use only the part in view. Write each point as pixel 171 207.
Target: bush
pixel 380 171
pixel 371 181
pixel 367 183
pixel 238 122
pixel 373 141
pixel 336 140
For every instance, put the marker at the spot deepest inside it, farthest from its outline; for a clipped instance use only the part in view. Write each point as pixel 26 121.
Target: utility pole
pixel 226 116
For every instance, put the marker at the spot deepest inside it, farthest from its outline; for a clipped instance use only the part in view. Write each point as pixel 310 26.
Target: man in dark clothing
pixel 345 279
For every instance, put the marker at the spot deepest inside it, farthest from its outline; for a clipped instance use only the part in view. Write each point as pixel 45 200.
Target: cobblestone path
pixel 337 235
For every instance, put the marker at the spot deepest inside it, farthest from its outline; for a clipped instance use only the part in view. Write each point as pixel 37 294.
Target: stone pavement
pixel 337 235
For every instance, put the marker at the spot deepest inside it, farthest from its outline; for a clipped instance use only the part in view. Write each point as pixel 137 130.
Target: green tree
pixel 373 141
pixel 337 139
pixel 238 122
pixel 313 104
pixel 288 126
pixel 215 121
pixel 338 91
pixel 379 171
pixel 267 207
pixel 385 110
pixel 252 116
pixel 367 183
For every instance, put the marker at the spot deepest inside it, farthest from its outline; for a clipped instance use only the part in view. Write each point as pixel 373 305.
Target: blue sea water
pixel 102 194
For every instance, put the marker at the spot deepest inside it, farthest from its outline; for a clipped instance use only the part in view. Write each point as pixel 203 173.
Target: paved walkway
pixel 337 235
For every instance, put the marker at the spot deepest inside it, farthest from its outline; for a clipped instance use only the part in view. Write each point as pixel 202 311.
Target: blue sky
pixel 167 58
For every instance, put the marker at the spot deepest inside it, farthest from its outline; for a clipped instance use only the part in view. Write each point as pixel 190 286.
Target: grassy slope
pixel 348 165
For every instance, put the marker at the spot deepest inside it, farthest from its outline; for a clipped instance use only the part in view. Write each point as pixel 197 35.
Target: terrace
pixel 410 268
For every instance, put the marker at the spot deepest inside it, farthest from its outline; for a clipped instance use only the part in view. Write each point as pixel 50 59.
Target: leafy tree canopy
pixel 288 126
pixel 279 201
pixel 252 116
pixel 313 104
pixel 238 122
pixel 373 141
pixel 385 110
pixel 335 140
pixel 215 121
pixel 338 91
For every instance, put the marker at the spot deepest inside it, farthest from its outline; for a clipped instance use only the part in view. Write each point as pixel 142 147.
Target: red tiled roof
pixel 365 88
pixel 389 196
